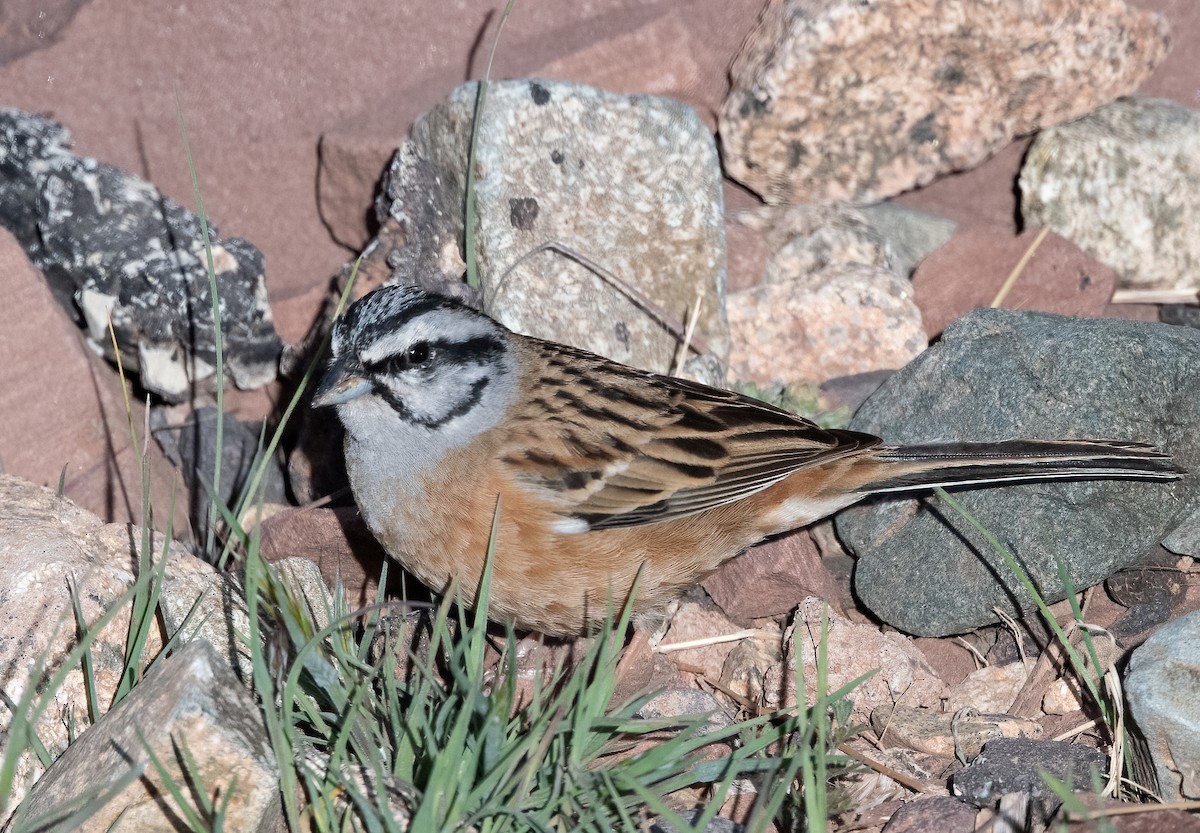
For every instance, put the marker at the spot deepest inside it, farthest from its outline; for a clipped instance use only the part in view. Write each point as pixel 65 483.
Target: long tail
pixel 960 464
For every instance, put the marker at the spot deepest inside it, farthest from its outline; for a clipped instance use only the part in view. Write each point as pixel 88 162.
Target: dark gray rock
pixel 851 392
pixel 1183 315
pixel 1014 765
pixel 111 244
pixel 1154 579
pixel 1000 374
pixel 1152 590
pixel 1161 684
pixel 191 446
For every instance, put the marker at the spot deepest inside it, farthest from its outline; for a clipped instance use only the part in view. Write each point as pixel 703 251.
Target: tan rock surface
pixel 849 101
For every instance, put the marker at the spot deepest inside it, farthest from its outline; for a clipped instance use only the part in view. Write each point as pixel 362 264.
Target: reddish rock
pixel 969 271
pixel 848 318
pixel 337 540
pixel 63 407
pixel 948 657
pixel 1114 816
pixel 256 105
pixel 659 58
pixel 696 622
pixel 352 165
pixel 941 813
pixel 891 667
pixel 747 248
pixel 29 25
pixel 985 196
pixel 982 197
pixel 772 578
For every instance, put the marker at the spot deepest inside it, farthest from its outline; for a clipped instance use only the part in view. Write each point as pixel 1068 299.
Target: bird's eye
pixel 417 354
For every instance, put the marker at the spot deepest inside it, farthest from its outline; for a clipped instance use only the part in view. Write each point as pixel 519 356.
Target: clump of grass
pixel 469 756
pixel 1102 685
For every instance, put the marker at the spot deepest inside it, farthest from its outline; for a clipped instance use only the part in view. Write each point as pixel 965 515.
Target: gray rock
pixel 1183 315
pixel 858 101
pixel 685 703
pixel 1160 684
pixel 631 183
pixel 1014 765
pixel 806 239
pixel 1124 184
pixel 1185 538
pixel 1152 589
pixel 190 443
pixel 803 239
pixel 908 234
pixel 193 702
pixel 111 245
pixel 1000 374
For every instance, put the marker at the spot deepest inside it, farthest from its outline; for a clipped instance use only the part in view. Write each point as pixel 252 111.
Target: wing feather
pixel 619 447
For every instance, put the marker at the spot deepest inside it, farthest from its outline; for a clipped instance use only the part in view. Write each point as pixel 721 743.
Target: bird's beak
pixel 341 384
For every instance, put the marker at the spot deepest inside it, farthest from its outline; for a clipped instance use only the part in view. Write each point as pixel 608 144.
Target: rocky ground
pixel 827 193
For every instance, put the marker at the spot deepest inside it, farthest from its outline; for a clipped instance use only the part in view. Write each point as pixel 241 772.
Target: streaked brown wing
pixel 621 447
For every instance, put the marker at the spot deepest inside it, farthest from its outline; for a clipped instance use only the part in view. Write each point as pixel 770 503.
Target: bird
pixel 600 474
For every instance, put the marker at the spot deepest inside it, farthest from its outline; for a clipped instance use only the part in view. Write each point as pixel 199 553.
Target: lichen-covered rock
pixel 112 246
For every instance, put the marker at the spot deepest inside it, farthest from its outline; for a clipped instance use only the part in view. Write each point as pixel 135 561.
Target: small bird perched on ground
pixel 602 470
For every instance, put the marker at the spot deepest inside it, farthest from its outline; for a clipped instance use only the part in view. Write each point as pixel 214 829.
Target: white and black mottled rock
pixel 111 245
pixel 191 446
pixel 999 374
pixel 1160 685
pixel 191 702
pixel 1124 184
pixel 1014 765
pixel 632 183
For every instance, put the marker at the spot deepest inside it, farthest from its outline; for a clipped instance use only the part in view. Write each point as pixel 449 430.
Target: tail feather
pixel 961 464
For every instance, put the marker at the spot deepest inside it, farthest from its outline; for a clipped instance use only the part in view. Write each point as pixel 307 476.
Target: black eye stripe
pixel 478 350
pixel 468 402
